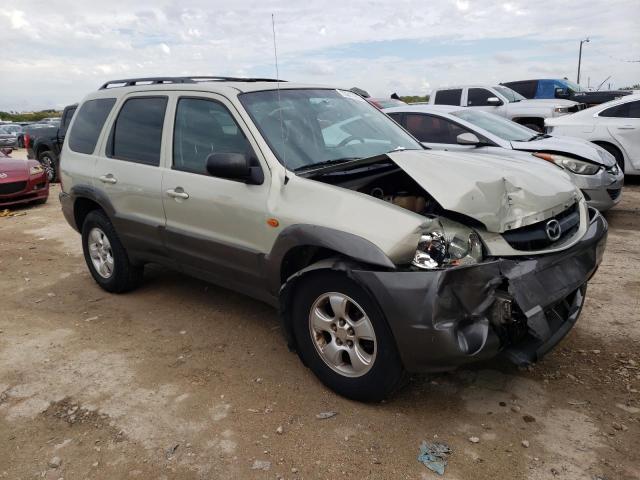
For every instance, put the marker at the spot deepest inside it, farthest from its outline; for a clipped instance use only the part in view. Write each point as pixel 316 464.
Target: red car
pixel 21 181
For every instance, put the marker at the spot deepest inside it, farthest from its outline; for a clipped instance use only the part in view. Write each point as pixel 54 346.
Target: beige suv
pixel 381 256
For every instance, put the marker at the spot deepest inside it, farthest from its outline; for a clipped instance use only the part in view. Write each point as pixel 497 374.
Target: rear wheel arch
pixel 82 206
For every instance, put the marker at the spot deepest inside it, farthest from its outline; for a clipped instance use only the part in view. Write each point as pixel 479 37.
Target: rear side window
pixel 433 129
pixel 86 130
pixel 624 110
pixel 137 132
pixel 477 97
pixel 526 89
pixel 448 97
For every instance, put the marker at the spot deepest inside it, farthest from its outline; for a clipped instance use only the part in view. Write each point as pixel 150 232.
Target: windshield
pixel 510 95
pixel 311 127
pixel 572 85
pixel 4 130
pixel 499 126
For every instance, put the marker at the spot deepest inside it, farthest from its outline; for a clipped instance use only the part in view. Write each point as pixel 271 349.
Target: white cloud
pixel 92 42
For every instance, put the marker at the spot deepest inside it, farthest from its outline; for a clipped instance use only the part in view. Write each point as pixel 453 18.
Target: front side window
pixel 204 127
pixel 511 95
pixel 137 132
pixel 448 97
pixel 499 126
pixel 306 127
pixel 86 130
pixel 477 97
pixel 431 129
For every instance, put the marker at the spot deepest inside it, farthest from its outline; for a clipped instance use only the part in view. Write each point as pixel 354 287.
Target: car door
pixel 128 173
pixel 623 124
pixel 215 226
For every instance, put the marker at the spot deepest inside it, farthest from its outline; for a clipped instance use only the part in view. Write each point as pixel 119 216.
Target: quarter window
pixel 427 128
pixel 86 130
pixel 448 97
pixel 137 132
pixel 203 127
pixel 477 97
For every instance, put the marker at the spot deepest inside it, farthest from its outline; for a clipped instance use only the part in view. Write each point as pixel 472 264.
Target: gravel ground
pixel 185 380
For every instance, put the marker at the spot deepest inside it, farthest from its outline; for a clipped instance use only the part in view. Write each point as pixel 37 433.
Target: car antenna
pixel 275 55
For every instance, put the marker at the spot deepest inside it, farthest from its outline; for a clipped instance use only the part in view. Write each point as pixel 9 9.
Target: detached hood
pixel 502 193
pixel 575 147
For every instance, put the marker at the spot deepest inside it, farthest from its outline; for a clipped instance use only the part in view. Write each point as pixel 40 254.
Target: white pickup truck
pixel 503 101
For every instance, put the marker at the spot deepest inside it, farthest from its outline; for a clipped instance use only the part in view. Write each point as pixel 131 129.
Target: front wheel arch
pixel 613 150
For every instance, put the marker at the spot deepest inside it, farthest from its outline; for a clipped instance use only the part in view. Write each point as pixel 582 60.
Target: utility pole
pixel 586 40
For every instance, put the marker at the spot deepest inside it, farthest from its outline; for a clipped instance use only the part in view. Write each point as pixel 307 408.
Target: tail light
pixel 27 140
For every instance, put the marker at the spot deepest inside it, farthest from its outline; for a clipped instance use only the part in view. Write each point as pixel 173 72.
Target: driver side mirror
pixel 235 166
pixel 468 138
pixel 494 101
pixel 561 93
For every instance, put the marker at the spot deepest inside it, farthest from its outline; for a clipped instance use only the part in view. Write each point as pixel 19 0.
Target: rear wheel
pixel 50 165
pixel 343 338
pixel 106 257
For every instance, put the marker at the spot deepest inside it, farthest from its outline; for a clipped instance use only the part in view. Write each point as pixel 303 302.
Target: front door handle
pixel 108 178
pixel 178 192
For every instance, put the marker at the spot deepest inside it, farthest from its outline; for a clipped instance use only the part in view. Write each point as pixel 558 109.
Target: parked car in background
pixel 505 102
pixel 44 142
pixel 18 130
pixel 381 103
pixel 615 126
pixel 382 256
pixel 8 138
pixel 441 127
pixel 21 181
pixel 548 88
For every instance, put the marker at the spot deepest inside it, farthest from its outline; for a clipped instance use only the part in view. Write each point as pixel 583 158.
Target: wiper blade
pixel 325 163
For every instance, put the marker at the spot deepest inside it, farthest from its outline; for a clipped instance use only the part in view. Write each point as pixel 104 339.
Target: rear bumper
pixel 518 306
pixel 66 201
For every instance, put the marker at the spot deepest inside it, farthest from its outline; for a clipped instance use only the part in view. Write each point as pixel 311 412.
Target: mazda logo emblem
pixel 553 229
pixel 3 175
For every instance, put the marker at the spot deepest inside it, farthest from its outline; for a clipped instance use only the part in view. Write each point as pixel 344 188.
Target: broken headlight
pixel 447 244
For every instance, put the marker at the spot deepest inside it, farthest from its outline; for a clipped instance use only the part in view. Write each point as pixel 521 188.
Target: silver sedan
pixel 440 127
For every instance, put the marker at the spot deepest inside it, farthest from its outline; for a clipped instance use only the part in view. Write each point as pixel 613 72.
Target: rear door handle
pixel 108 178
pixel 178 192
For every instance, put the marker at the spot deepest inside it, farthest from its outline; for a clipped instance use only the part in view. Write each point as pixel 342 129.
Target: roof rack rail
pixel 130 82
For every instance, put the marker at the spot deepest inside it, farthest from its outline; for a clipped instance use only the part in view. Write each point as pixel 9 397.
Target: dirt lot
pixel 185 380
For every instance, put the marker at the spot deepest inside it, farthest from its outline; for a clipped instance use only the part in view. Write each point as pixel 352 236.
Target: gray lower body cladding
pixel 522 307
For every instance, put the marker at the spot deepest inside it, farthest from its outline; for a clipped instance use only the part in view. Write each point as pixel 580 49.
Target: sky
pixel 55 52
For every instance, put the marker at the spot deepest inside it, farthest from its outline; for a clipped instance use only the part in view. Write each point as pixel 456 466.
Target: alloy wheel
pixel 100 252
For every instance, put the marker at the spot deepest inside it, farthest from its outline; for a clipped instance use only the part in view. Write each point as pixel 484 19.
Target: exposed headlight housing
pixel 568 163
pixel 447 244
pixel 36 170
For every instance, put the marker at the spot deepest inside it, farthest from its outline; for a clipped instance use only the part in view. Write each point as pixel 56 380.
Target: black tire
pixel 615 152
pixel 125 276
pixel 20 142
pixel 49 162
pixel 386 374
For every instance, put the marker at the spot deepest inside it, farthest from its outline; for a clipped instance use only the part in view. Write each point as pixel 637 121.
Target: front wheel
pixel 343 338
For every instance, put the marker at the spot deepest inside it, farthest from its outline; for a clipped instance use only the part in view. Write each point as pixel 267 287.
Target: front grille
pixel 534 237
pixel 614 193
pixel 578 107
pixel 13 187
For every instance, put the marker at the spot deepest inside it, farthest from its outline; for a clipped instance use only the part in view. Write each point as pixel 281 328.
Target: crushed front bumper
pixel 521 307
pixel 602 190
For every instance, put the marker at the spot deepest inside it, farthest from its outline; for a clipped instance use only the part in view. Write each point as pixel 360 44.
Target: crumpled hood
pixel 573 146
pixel 502 193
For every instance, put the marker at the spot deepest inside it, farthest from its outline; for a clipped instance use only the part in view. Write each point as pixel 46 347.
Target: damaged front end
pixel 520 306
